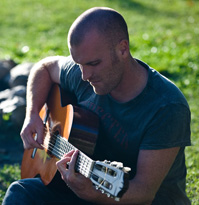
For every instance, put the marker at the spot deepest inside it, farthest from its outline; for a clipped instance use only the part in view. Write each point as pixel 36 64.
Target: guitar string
pixel 61 152
pixel 86 160
pixel 81 170
pixel 53 137
pixel 63 145
pixel 88 171
pixel 59 141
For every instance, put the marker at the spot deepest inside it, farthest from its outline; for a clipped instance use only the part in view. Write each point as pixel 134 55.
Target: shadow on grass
pixel 145 9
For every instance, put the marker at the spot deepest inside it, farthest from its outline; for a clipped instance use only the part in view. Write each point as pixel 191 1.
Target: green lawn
pixel 163 33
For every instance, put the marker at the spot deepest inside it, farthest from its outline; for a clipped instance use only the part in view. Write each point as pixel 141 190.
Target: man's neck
pixel 133 83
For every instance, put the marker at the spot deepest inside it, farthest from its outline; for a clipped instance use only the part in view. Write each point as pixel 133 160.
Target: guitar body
pixel 77 125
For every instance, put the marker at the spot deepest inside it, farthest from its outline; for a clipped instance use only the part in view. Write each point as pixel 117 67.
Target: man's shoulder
pixel 160 89
pixel 164 89
pixel 70 74
pixel 67 63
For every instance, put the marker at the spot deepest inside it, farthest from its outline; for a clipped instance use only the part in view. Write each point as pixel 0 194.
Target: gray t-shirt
pixel 157 118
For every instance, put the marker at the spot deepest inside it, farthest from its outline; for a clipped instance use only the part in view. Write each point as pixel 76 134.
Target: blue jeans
pixel 33 191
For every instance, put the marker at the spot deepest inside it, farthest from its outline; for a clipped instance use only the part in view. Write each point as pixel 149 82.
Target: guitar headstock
pixel 111 178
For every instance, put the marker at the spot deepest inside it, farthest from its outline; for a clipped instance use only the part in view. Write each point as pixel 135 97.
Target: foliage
pixel 162 33
pixel 8 175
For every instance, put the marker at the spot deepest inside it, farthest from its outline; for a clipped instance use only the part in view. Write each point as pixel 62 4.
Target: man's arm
pixel 42 76
pixel 152 168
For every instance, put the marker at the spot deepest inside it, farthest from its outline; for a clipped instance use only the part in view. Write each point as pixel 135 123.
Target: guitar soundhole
pixel 54 132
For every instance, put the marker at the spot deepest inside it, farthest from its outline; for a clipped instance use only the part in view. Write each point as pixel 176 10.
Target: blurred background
pixel 163 33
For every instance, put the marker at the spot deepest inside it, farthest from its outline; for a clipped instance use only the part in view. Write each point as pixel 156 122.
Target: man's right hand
pixel 42 76
pixel 32 125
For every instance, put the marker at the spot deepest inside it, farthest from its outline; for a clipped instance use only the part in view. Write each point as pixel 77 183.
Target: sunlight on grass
pixel 8 174
pixel 163 34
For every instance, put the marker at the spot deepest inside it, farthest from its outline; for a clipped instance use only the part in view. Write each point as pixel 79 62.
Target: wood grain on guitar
pixel 67 128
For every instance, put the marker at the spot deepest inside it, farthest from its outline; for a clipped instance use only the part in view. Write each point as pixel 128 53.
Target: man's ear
pixel 123 48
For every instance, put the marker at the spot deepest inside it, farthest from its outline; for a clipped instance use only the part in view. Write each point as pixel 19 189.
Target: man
pixel 145 119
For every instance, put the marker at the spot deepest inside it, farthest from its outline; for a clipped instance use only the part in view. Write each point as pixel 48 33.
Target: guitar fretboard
pixel 84 164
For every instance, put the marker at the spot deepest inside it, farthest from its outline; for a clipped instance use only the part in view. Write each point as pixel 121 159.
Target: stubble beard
pixel 113 78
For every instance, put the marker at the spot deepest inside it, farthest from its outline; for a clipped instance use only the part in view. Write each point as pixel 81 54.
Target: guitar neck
pixel 84 164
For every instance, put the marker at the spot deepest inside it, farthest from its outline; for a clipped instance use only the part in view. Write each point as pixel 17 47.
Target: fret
pixel 84 164
pixel 57 148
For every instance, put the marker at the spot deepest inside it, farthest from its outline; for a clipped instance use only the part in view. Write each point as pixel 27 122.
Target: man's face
pixel 99 63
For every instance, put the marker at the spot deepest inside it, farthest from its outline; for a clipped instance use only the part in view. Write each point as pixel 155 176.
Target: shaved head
pixel 107 22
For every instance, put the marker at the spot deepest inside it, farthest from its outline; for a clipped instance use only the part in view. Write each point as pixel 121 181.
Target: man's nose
pixel 86 72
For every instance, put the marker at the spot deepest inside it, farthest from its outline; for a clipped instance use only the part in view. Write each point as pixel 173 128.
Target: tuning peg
pixel 126 169
pixel 117 164
pixel 117 199
pixel 107 162
pixel 108 195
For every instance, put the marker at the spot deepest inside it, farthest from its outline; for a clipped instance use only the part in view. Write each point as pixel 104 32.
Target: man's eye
pixel 94 63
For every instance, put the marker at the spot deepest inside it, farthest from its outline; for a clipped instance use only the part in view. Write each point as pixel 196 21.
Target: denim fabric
pixel 33 191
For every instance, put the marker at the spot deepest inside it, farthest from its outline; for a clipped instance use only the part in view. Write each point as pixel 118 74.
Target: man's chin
pixel 100 92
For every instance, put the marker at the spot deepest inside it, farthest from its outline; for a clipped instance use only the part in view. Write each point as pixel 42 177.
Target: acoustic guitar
pixel 67 128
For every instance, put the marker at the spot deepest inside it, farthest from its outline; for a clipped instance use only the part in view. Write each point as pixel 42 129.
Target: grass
pixel 163 33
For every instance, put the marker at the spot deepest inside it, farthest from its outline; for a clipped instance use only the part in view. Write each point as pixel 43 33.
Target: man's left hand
pixel 79 184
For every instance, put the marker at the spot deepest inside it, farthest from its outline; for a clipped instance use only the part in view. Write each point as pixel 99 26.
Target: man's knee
pixel 15 186
pixel 14 193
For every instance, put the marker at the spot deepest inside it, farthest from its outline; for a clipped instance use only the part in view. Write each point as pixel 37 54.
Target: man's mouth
pixel 93 83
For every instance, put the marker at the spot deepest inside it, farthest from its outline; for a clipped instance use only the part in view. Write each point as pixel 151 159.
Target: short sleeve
pixel 70 74
pixel 170 127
